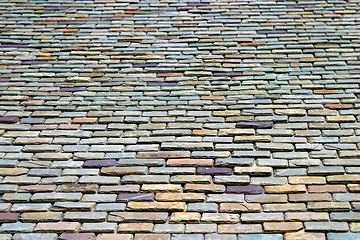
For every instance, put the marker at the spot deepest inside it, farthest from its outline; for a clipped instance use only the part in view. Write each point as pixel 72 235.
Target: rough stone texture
pixel 9 217
pixel 127 197
pixel 206 119
pixel 78 236
pixel 40 236
pixel 9 119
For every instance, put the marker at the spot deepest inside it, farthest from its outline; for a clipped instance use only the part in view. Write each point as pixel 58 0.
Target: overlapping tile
pixel 179 119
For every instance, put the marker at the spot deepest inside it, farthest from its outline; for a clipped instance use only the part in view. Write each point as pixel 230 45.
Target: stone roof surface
pixel 181 120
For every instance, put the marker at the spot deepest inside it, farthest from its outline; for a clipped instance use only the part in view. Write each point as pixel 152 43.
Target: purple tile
pixel 4 79
pixel 250 189
pixel 127 197
pixel 9 119
pixel 32 120
pixel 72 89
pixel 358 95
pixel 76 187
pixel 231 74
pixel 145 65
pixel 272 97
pixel 99 163
pixel 161 83
pixel 355 207
pixel 272 32
pixel 214 171
pixel 6 217
pixel 12 45
pixel 77 236
pixel 255 124
pixel 300 6
pixel 33 62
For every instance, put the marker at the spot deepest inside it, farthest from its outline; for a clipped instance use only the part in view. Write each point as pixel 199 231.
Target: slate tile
pixel 258 124
pixel 233 120
pixel 250 189
pixel 9 119
pixel 99 163
pixel 72 89
pixel 127 197
pixel 9 217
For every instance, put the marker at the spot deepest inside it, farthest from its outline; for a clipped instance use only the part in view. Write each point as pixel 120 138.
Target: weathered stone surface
pixel 275 227
pixel 202 120
pixel 127 197
pixel 157 206
pixel 9 217
pixel 185 217
pixel 214 171
pixel 205 187
pixel 288 188
pixel 220 218
pixel 327 226
pixel 157 217
pixel 260 236
pixel 240 207
pixel 41 217
pixel 111 236
pixel 79 236
pixel 17 227
pixel 9 119
pixel 202 207
pixel 85 216
pixel 99 163
pixel 30 236
pixel 253 171
pixel 240 228
pixel 188 197
pixel 135 227
pixel 98 227
pixel 250 189
pixel 350 236
pixel 58 227
pixel 262 217
pixel 257 124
